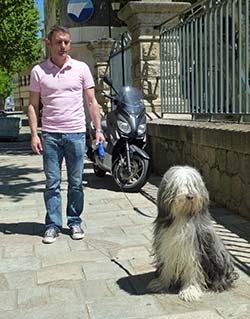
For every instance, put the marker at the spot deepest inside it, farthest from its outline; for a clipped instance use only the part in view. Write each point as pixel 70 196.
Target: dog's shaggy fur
pixel 188 252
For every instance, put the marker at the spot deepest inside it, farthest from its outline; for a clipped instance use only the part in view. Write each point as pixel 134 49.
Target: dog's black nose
pixel 190 196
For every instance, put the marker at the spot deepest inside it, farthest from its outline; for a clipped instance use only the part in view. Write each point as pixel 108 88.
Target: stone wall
pixel 100 51
pixel 220 151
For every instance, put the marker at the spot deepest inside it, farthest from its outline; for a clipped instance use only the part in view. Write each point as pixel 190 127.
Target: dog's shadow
pixel 138 284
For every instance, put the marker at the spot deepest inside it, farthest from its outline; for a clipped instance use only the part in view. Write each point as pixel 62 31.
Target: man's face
pixel 59 44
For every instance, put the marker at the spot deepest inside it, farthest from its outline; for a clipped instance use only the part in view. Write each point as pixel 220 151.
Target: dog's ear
pixel 162 203
pixel 161 198
pixel 163 217
pixel 205 198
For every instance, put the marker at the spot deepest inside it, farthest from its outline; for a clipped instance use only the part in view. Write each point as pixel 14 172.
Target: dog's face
pixel 182 192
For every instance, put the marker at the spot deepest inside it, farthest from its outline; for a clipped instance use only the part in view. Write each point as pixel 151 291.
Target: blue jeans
pixel 57 146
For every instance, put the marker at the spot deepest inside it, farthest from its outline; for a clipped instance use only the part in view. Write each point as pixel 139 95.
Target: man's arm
pixel 33 111
pixel 94 112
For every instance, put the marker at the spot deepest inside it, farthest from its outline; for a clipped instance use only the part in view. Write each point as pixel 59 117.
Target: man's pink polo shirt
pixel 61 92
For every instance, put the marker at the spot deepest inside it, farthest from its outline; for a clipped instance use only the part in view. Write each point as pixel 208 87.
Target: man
pixel 61 83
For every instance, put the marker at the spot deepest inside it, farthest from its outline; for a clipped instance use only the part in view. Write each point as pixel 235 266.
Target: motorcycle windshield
pixel 130 99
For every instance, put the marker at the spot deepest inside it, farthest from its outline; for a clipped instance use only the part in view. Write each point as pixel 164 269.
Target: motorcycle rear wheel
pixel 98 171
pixel 138 177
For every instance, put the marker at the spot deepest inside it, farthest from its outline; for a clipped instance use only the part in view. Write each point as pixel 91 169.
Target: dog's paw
pixel 190 293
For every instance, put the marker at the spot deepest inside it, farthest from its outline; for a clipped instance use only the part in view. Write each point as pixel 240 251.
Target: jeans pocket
pixel 75 144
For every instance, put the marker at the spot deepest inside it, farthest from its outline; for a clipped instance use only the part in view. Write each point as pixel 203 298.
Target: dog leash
pixel 136 209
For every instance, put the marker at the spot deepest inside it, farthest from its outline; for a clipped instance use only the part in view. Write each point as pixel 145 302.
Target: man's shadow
pixel 26 228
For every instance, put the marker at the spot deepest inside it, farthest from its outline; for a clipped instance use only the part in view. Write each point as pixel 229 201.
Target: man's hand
pixel 33 110
pixel 36 145
pixel 99 137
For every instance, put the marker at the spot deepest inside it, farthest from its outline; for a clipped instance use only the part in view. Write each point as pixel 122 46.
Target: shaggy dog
pixel 188 254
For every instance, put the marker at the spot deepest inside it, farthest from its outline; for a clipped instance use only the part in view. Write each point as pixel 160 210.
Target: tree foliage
pixel 5 86
pixel 19 43
pixel 19 27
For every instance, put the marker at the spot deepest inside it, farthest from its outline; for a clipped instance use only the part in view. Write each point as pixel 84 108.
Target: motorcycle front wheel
pixel 134 181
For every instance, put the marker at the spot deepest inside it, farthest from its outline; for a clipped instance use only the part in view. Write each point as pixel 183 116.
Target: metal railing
pixel 205 59
pixel 120 61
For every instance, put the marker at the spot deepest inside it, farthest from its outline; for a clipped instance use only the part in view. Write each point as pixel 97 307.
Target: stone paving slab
pixel 192 315
pixel 69 271
pixel 106 274
pixel 51 311
pixel 18 280
pixel 132 307
pixel 7 300
pixel 19 264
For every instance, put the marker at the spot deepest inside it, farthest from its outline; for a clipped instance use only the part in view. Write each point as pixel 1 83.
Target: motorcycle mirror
pixel 107 80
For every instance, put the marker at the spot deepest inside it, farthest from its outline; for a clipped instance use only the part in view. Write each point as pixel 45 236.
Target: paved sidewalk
pixel 105 275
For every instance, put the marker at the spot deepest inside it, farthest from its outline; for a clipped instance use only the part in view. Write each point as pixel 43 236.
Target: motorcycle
pixel 125 133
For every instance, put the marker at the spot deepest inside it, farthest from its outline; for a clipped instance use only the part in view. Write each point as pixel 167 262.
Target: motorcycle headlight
pixel 124 127
pixel 141 129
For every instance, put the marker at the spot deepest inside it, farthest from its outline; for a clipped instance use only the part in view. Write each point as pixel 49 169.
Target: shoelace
pixel 50 233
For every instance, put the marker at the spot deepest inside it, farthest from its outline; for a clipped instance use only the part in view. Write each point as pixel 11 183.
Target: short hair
pixel 57 28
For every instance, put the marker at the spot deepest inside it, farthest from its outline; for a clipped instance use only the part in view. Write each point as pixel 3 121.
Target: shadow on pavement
pixel 107 182
pixel 235 233
pixel 22 228
pixel 20 146
pixel 88 165
pixel 92 181
pixel 150 189
pixel 26 228
pixel 16 183
pixel 136 284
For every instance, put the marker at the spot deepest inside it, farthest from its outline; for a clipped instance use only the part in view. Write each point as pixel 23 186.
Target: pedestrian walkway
pixel 105 275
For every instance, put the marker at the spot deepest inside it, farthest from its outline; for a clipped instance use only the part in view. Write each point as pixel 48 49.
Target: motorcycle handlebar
pixel 112 98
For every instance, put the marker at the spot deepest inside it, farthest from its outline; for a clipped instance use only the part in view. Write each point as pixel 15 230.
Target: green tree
pixel 19 42
pixel 5 86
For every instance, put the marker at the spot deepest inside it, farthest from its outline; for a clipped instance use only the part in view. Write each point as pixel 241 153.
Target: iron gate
pixel 120 62
pixel 205 59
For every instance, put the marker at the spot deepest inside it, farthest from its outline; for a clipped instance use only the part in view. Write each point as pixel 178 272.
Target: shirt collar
pixel 68 64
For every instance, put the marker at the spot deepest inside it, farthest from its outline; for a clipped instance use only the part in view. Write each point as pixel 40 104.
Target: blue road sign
pixel 80 10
